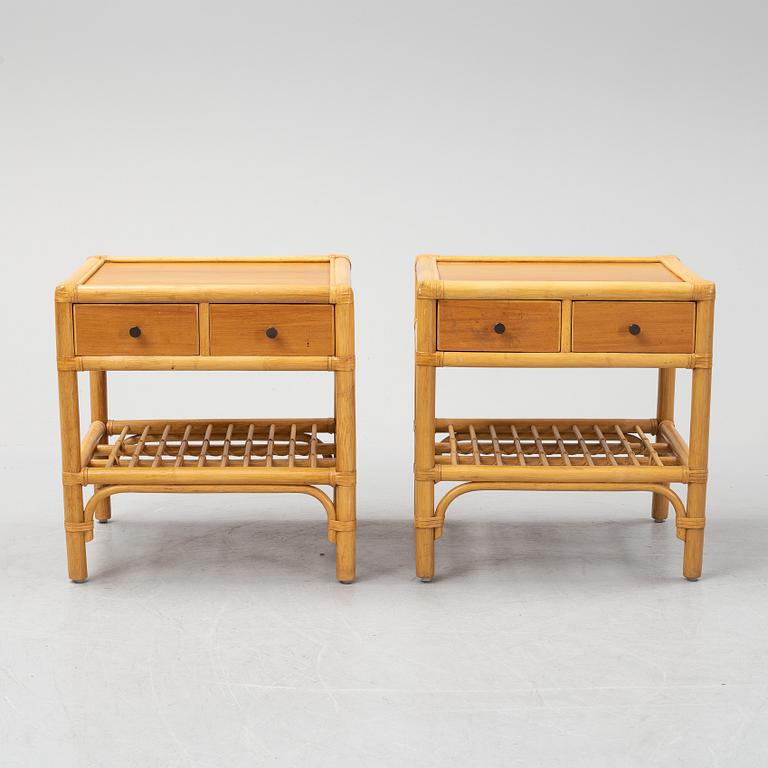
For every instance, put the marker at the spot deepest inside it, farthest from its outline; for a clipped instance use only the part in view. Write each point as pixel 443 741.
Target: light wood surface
pixel 241 329
pixel 661 278
pixel 665 411
pixel 346 450
pixel 424 434
pixel 701 390
pixel 100 414
pixel 104 329
pixel 564 360
pixel 556 270
pixel 528 326
pixel 207 363
pixel 604 326
pixel 173 273
pixel 69 417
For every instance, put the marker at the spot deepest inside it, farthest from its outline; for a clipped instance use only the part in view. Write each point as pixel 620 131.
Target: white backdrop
pixel 382 130
pixel 558 632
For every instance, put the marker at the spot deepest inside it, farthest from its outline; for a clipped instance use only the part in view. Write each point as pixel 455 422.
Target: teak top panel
pixel 178 273
pixel 315 280
pixel 552 277
pixel 544 270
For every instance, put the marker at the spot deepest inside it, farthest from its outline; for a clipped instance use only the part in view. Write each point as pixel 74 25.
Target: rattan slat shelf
pixel 545 444
pixel 208 314
pixel 226 445
pixel 562 312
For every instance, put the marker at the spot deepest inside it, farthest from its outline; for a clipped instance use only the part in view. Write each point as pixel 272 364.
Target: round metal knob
pixel 271 333
pixel 634 329
pixel 499 327
pixel 135 331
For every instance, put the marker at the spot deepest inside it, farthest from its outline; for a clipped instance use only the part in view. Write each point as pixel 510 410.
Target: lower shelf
pixel 620 450
pixel 559 455
pixel 210 451
pixel 212 456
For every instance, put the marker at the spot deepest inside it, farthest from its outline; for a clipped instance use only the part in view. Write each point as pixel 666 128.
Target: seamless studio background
pixel 379 130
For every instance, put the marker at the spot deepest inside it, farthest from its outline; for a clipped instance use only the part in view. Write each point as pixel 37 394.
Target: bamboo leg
pixel 99 412
pixel 665 410
pixel 699 443
pixel 424 439
pixel 70 460
pixel 697 491
pixel 344 407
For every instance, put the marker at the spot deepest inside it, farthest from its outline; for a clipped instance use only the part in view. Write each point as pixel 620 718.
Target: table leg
pixel 344 408
pixel 99 412
pixel 424 440
pixel 697 488
pixel 665 411
pixel 69 412
pixel 698 449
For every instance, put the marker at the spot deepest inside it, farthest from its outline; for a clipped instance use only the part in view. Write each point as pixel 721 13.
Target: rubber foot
pixel 103 521
pixel 692 578
pixel 658 521
pixel 425 579
pixel 78 581
pixel 342 581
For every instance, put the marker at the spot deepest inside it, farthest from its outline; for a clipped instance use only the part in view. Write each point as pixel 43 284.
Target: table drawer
pixel 272 329
pixel 136 329
pixel 498 326
pixel 634 326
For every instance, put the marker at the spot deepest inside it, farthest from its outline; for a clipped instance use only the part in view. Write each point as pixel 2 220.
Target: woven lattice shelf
pixel 559 444
pixel 211 444
pixel 545 444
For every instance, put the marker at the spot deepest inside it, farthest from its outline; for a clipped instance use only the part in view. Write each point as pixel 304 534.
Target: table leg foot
pixel 659 508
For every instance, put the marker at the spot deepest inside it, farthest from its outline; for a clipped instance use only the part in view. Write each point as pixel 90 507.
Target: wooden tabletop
pixel 322 279
pixel 477 277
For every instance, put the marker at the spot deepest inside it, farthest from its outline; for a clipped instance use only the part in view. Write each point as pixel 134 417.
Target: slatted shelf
pixel 561 443
pixel 214 444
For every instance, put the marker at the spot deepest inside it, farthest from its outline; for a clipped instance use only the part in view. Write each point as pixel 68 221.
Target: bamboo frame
pixel 207 363
pixel 206 456
pixel 424 436
pixel 690 287
pixel 560 359
pixel 335 526
pixel 437 522
pixel 562 454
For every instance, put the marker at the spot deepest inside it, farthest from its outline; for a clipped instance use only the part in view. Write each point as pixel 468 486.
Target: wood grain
pixel 529 326
pixel 603 326
pixel 548 270
pixel 166 329
pixel 214 272
pixel 302 329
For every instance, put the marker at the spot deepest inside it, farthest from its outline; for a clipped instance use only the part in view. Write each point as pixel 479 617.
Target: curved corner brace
pixel 309 490
pixel 682 521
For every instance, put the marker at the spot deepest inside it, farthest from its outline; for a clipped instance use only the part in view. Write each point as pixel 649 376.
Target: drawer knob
pixel 271 333
pixel 499 327
pixel 634 329
pixel 135 331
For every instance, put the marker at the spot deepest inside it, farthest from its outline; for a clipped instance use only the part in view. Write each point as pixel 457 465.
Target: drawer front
pixel 136 329
pixel 634 326
pixel 498 326
pixel 272 329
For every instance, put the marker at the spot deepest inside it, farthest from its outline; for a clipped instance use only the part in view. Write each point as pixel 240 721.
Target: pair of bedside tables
pixel 297 315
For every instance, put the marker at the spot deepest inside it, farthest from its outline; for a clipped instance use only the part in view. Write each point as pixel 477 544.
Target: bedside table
pixel 206 315
pixel 563 313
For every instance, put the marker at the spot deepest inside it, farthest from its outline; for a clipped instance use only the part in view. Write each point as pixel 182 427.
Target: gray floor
pixel 559 633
